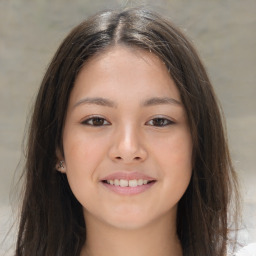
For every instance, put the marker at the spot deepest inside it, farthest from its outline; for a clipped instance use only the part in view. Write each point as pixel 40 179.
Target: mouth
pixel 128 183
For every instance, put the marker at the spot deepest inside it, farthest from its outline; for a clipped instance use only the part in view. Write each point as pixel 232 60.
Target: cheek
pixel 174 157
pixel 82 150
pixel 179 158
pixel 83 154
pixel 174 151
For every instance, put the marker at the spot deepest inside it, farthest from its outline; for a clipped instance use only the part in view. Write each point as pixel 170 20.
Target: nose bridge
pixel 129 138
pixel 127 144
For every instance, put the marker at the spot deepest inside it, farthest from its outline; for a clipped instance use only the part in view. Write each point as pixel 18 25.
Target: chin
pixel 129 224
pixel 130 221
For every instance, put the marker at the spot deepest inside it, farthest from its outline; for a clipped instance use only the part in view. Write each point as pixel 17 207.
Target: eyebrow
pixel 96 101
pixel 161 101
pixel 108 103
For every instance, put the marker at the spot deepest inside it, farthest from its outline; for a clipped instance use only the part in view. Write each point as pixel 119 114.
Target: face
pixel 127 144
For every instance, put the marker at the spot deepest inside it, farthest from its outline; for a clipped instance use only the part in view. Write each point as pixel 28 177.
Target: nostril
pixel 135 158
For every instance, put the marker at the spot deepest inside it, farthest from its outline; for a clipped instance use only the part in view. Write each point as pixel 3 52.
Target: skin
pixel 129 136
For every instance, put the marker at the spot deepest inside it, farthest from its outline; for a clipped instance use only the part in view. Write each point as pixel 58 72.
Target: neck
pixel 158 238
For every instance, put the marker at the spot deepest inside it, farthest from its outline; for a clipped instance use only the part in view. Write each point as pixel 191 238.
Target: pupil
pixel 98 121
pixel 159 122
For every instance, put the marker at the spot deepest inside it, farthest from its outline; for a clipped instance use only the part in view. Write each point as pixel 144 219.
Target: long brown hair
pixel 52 221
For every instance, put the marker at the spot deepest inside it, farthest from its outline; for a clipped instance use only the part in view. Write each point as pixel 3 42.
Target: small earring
pixel 61 164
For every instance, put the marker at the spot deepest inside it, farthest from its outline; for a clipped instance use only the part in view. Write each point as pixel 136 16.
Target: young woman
pixel 127 153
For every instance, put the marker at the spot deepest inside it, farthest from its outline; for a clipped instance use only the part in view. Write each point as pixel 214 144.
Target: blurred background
pixel 223 31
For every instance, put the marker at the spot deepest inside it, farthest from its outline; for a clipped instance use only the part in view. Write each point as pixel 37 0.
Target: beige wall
pixel 222 30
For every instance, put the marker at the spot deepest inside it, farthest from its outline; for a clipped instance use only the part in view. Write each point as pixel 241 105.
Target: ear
pixel 60 164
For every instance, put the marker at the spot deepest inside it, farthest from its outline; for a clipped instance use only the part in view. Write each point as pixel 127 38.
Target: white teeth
pixel 123 183
pixel 140 182
pixel 133 183
pixel 127 183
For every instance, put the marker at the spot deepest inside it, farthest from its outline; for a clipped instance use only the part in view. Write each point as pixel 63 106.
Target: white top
pixel 249 250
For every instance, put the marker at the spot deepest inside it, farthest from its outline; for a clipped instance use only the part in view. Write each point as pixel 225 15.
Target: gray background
pixel 223 31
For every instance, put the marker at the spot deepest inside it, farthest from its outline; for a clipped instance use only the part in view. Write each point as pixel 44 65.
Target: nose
pixel 127 146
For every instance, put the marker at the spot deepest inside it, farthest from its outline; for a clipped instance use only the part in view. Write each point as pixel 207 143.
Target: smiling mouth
pixel 128 183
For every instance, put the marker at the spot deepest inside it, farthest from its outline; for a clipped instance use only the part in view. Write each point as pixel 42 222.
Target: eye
pixel 160 122
pixel 95 121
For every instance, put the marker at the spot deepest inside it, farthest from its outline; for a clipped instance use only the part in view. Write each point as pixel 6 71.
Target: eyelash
pixel 163 121
pixel 92 119
pixel 103 122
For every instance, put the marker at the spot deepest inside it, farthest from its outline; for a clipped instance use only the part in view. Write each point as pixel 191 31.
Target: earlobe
pixel 60 166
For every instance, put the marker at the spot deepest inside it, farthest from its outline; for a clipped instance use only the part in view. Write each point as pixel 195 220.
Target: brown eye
pixel 160 122
pixel 96 121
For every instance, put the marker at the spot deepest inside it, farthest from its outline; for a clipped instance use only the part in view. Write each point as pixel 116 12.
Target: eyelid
pixel 168 119
pixel 91 117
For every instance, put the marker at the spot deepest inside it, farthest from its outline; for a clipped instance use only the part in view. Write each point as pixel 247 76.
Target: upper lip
pixel 128 176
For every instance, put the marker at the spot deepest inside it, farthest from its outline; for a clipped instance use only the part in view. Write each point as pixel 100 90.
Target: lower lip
pixel 129 190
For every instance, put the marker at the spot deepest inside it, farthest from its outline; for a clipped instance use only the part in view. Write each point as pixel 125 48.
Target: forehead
pixel 125 70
